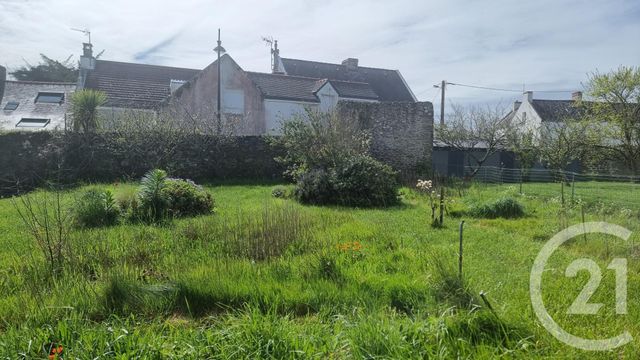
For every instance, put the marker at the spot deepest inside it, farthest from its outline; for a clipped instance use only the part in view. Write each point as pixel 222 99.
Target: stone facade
pixel 401 132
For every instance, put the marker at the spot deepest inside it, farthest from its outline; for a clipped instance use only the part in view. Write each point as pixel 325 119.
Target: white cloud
pixel 544 44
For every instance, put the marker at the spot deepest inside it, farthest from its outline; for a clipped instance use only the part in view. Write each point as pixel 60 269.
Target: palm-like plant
pixel 153 200
pixel 84 107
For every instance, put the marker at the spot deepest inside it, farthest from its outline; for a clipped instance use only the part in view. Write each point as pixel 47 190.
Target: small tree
pixel 478 131
pixel 616 106
pixel 523 145
pixel 318 140
pixel 561 143
pixel 48 70
pixel 84 108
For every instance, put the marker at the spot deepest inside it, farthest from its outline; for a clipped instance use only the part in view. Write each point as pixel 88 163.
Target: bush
pixel 96 208
pixel 316 187
pixel 185 198
pixel 364 181
pixel 279 192
pixel 507 208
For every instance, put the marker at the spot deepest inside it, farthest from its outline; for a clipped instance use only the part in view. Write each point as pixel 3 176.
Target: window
pixel 50 98
pixel 33 123
pixel 11 105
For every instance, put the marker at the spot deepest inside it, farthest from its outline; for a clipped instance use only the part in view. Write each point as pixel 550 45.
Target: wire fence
pixel 611 189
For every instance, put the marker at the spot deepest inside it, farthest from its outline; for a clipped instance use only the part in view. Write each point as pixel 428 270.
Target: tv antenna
pixel 86 32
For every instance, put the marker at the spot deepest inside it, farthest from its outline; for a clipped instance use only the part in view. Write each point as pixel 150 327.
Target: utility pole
pixel 219 49
pixel 442 87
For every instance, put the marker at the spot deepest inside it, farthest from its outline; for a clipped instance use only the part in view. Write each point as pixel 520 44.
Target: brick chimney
pixel 527 96
pixel 3 77
pixel 350 63
pixel 576 96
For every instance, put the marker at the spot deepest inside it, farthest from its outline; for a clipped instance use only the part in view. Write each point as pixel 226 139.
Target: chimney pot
pixel 576 96
pixel 527 96
pixel 350 63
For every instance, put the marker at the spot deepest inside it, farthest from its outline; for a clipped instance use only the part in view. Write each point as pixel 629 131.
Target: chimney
pixel 527 96
pixel 576 96
pixel 3 77
pixel 87 62
pixel 350 63
pixel 275 59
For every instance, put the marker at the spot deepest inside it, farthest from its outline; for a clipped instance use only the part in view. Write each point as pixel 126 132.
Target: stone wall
pixel 28 160
pixel 401 132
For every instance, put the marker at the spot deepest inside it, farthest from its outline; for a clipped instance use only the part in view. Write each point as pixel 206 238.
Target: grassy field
pixel 269 278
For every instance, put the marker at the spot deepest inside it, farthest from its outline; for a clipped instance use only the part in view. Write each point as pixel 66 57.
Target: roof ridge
pixel 40 82
pixel 328 63
pixel 149 65
pixel 286 76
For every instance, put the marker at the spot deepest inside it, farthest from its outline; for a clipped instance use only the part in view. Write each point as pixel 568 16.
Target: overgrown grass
pixel 266 277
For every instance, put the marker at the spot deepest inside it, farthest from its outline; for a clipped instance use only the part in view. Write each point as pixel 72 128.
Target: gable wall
pixel 242 105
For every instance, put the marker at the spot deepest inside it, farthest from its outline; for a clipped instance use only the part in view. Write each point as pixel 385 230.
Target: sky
pixel 541 45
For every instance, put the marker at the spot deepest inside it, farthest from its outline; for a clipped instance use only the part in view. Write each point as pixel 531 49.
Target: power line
pixel 507 90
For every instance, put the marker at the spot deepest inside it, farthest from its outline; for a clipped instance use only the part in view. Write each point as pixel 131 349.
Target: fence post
pixel 573 186
pixel 441 205
pixel 562 192
pixel 584 232
pixel 460 251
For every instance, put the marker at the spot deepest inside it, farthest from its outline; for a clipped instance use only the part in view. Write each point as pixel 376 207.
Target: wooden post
pixel 460 250
pixel 573 187
pixel 441 205
pixel 562 192
pixel 442 88
pixel 584 232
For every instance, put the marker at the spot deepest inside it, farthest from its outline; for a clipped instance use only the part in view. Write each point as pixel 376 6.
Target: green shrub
pixel 279 192
pixel 364 181
pixel 154 202
pixel 96 208
pixel 361 181
pixel 507 208
pixel 186 198
pixel 316 187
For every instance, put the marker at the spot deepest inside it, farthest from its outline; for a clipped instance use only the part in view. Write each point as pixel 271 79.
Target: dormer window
pixel 33 123
pixel 11 105
pixel 50 98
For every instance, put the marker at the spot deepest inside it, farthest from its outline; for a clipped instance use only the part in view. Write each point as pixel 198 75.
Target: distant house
pixel 537 112
pixel 33 105
pixel 254 102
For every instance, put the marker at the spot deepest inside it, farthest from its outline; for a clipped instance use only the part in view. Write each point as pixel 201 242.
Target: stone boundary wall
pixel 29 159
pixel 401 132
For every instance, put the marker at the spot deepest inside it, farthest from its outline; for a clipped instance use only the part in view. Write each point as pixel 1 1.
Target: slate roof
pixel 285 87
pixel 557 110
pixel 25 93
pixel 387 84
pixel 132 85
pixel 354 90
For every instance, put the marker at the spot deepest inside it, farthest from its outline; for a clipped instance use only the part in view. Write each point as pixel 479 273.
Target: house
pixel 252 103
pixel 535 113
pixel 33 105
pixel 129 86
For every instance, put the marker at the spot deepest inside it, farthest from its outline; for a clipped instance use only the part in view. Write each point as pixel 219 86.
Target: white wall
pixel 278 111
pixel 328 97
